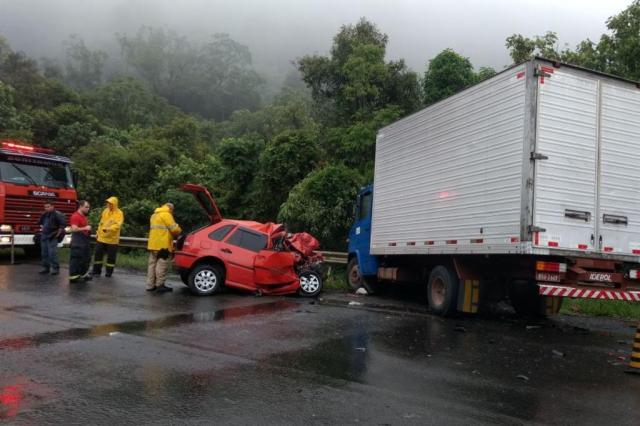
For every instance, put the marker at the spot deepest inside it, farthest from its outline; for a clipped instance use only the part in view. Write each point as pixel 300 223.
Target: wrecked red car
pixel 256 257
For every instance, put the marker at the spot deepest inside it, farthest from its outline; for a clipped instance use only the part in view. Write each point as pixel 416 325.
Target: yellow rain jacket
pixel 162 229
pixel 110 223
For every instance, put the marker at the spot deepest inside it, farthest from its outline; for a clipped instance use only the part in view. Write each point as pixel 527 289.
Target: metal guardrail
pixel 333 257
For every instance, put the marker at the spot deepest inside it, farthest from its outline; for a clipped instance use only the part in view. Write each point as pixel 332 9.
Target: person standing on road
pixel 163 228
pixel 52 224
pixel 80 244
pixel 108 237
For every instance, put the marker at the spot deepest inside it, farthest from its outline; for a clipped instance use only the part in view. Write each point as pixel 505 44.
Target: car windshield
pixel 31 171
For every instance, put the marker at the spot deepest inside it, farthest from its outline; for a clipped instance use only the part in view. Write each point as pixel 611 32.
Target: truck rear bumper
pixel 585 293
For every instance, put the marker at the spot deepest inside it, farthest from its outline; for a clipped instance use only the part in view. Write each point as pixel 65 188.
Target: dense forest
pixel 171 110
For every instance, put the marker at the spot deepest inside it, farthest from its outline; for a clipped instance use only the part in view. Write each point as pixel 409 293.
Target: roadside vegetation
pixel 602 308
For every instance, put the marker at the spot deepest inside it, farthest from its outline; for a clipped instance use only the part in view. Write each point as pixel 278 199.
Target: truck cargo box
pixel 543 158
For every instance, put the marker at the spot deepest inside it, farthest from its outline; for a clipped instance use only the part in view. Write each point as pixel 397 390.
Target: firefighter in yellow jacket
pixel 163 228
pixel 108 237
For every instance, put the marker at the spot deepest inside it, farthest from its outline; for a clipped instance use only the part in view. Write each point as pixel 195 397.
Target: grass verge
pixel 602 308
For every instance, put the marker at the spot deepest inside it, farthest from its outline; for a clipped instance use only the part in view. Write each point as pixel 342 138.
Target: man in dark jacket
pixel 52 224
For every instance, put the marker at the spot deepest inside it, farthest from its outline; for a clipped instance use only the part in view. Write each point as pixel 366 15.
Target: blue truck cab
pixel 362 268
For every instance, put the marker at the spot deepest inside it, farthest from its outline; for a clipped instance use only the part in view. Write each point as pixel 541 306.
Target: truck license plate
pixel 545 276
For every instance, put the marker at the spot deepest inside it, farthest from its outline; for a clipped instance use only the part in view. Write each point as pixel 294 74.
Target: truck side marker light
pixel 429 243
pixel 520 75
pixel 553 244
pixel 451 242
pixel 477 241
pixel 392 244
pixel 583 246
pixel 515 240
pixel 608 249
pixel 635 251
pixel 411 243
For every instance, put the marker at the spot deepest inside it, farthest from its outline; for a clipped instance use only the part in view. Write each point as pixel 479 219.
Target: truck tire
pixel 355 280
pixel 525 299
pixel 442 291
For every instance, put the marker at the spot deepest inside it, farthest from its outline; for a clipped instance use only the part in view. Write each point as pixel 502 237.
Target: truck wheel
pixel 442 291
pixel 525 299
pixel 205 279
pixel 355 280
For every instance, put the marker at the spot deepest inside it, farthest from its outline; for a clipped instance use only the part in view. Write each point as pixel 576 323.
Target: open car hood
pixel 203 196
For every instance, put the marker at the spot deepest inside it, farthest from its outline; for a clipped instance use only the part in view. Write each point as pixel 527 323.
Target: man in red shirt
pixel 80 240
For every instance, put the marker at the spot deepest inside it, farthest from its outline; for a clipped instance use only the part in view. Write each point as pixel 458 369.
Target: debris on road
pixel 558 353
pixel 522 377
pixel 353 303
pixel 362 291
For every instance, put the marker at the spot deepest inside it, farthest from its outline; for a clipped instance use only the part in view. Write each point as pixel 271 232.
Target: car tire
pixel 310 283
pixel 206 279
pixel 355 280
pixel 442 291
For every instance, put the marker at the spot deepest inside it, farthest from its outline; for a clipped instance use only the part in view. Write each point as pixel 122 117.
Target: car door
pixel 238 251
pixel 274 267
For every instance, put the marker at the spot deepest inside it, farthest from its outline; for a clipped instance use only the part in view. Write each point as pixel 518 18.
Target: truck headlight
pixel 5 239
pixel 6 228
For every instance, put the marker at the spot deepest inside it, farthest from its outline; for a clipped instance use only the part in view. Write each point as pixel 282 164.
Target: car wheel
pixel 205 279
pixel 442 291
pixel 310 284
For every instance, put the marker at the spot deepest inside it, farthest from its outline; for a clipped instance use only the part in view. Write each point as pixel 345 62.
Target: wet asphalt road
pixel 109 353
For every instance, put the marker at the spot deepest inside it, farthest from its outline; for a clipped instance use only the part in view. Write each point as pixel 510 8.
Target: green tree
pixel 355 81
pixel 238 165
pixel 125 102
pixel 447 74
pixel 523 48
pixel 212 79
pixel 84 67
pixel 322 204
pixel 285 161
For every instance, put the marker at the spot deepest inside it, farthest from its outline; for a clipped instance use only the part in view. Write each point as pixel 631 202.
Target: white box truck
pixel 525 186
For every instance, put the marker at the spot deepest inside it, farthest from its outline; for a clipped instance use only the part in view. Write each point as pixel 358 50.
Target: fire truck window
pixel 32 172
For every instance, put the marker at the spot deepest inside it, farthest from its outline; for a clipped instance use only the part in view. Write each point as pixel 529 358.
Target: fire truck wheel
pixel 442 291
pixel 355 280
pixel 525 299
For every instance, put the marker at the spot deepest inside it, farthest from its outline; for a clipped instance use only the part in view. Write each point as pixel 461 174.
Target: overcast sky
pixel 280 30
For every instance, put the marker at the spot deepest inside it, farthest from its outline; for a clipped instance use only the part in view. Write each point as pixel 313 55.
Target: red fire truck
pixel 29 177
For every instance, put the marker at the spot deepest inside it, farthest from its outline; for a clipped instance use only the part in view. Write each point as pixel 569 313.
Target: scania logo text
pixel 43 194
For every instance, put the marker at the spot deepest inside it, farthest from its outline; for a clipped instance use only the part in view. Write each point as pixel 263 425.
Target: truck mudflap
pixel 588 293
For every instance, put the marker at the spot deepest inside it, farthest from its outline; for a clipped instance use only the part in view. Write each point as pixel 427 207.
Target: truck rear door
pixel 619 210
pixel 565 192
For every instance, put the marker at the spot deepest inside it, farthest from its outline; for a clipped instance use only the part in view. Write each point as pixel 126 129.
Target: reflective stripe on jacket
pixel 110 223
pixel 162 229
